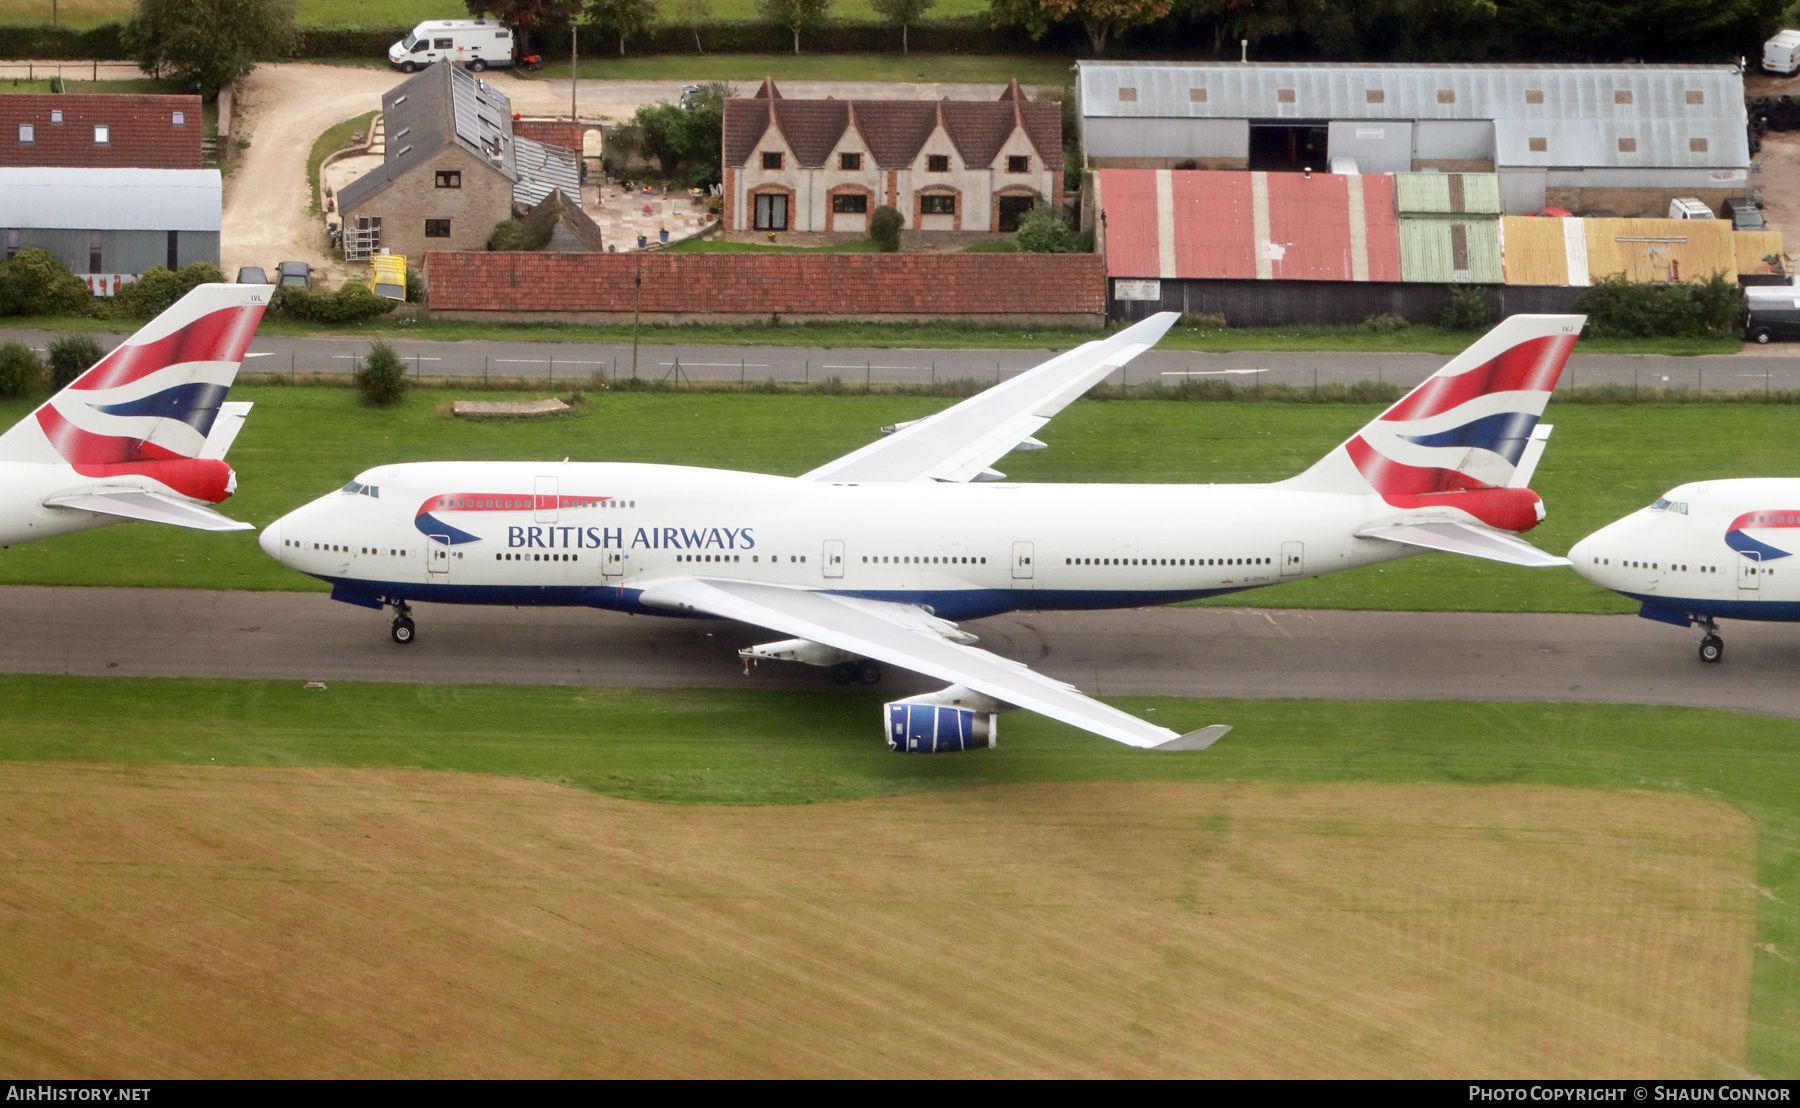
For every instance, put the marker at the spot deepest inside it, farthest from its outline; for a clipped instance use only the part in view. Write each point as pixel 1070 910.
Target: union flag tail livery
pixel 1461 448
pixel 143 433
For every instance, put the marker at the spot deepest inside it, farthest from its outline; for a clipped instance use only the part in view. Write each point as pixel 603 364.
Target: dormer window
pixel 937 163
pixel 849 161
pixel 771 159
pixel 1018 163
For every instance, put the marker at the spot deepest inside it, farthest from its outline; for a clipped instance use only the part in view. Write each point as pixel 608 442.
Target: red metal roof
pixel 1211 220
pixel 141 131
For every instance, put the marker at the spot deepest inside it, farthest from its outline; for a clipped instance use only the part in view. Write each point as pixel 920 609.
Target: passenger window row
pixel 1168 561
pixel 921 559
pixel 537 558
pixel 337 548
pixel 1673 567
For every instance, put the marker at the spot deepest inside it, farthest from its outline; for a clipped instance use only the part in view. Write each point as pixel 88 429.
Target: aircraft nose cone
pixel 270 540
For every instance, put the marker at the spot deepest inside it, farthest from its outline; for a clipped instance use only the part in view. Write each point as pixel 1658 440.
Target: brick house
pixel 947 165
pixel 453 167
pixel 124 131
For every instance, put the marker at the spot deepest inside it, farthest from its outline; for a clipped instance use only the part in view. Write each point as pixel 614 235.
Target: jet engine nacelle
pixel 943 722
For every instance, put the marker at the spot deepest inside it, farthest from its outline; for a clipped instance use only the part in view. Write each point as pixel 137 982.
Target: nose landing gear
pixel 402 627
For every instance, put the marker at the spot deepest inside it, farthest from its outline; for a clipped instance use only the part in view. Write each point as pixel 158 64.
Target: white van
pixel 1689 207
pixel 1781 54
pixel 477 43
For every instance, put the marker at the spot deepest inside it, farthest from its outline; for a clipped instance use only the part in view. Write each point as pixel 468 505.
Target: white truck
pixel 1781 54
pixel 477 43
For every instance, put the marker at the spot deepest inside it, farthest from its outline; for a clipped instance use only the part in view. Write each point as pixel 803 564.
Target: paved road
pixel 1212 652
pixel 576 361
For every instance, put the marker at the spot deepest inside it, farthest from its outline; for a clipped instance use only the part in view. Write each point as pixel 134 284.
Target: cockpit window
pixel 357 489
pixel 1664 504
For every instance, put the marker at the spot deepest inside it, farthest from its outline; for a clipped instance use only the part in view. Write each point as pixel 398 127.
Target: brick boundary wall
pixel 1035 289
pixel 553 132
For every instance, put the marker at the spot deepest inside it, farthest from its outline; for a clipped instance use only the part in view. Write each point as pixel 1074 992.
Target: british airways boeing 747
pixel 877 556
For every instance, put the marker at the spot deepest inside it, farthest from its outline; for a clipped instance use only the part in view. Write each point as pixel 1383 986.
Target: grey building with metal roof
pixel 452 168
pixel 112 223
pixel 1624 138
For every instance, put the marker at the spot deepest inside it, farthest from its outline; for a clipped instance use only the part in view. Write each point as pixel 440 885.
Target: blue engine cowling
pixel 937 729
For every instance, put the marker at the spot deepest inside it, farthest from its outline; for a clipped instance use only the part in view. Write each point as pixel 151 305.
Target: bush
pixel 15 291
pixel 1466 308
pixel 51 288
pixel 1616 307
pixel 382 378
pixel 531 233
pixel 351 304
pixel 20 371
pixel 884 229
pixel 1044 231
pixel 1386 321
pixel 70 357
pixel 1211 320
pixel 158 289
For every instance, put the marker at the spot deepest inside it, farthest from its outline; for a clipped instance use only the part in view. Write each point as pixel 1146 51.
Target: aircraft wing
pixel 151 506
pixel 960 442
pixel 1466 538
pixel 906 636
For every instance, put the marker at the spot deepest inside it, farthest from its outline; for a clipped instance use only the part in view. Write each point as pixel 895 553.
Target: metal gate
pixel 1293 559
pixel 833 561
pixel 1021 562
pixel 1750 570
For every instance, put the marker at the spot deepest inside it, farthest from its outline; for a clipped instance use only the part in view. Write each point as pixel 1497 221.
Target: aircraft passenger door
pixel 612 565
pixel 1293 559
pixel 437 555
pixel 1021 561
pixel 546 501
pixel 1750 570
pixel 833 561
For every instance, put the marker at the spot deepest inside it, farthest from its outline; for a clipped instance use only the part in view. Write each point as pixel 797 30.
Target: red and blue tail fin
pixel 1467 428
pixel 153 398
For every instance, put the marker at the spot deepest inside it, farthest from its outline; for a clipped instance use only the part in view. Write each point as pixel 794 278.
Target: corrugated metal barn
pixel 1624 138
pixel 1542 250
pixel 112 221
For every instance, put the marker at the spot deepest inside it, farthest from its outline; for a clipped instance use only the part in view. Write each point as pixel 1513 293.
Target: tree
pixel 903 12
pixel 884 228
pixel 696 14
pixel 525 16
pixel 623 18
pixel 1043 231
pixel 681 137
pixel 795 15
pixel 1099 18
pixel 1648 30
pixel 207 44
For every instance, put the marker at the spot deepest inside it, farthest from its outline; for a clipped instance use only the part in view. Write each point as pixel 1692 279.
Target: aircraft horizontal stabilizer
pixel 150 506
pixel 225 428
pixel 1466 538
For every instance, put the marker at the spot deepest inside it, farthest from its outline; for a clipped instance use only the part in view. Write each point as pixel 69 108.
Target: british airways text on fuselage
pixel 615 538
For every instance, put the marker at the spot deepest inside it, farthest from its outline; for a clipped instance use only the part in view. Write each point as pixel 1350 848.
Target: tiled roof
pixel 895 130
pixel 141 131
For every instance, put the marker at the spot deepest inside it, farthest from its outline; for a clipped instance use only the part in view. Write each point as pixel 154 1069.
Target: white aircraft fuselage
pixel 595 534
pixel 1706 550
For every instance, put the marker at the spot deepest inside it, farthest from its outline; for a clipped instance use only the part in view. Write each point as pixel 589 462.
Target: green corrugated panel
pixel 1428 250
pixel 1431 192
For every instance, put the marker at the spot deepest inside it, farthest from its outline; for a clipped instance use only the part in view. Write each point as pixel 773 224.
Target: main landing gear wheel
pixel 402 630
pixel 843 673
pixel 868 671
pixel 1712 649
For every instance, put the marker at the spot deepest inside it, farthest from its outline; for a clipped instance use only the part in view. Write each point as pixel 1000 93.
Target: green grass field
pixel 82 14
pixel 740 747
pixel 333 140
pixel 1604 462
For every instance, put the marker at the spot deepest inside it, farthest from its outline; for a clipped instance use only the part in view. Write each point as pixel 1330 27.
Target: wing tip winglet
pixel 1196 740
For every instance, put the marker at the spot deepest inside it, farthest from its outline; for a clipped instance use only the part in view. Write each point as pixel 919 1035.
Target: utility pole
pixel 636 303
pixel 574 65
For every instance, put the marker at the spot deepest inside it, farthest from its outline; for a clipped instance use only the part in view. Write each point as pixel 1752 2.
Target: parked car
pixel 476 43
pixel 251 275
pixel 1744 215
pixel 295 275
